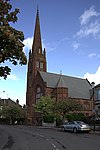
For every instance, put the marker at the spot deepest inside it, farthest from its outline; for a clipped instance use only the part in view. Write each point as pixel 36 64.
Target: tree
pixel 45 105
pixel 63 107
pixel 11 46
pixel 48 105
pixel 13 113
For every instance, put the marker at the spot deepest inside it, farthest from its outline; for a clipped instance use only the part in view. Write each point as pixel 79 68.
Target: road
pixel 37 138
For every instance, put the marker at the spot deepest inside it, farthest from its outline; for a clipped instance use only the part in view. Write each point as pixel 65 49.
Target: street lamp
pixel 93 96
pixel 93 104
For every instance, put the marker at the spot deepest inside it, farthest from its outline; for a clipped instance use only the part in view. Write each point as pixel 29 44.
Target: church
pixel 58 86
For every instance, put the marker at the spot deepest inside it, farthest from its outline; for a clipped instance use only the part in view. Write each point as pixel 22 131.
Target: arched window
pixel 38 93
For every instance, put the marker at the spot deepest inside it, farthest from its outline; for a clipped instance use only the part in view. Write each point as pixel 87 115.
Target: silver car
pixel 76 126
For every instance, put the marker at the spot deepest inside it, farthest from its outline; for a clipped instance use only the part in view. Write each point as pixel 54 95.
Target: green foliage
pixel 11 46
pixel 58 120
pixel 13 113
pixel 45 105
pixel 74 116
pixel 4 71
pixel 49 118
pixel 65 106
pixel 49 106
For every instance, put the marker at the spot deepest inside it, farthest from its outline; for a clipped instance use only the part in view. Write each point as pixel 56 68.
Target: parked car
pixel 76 126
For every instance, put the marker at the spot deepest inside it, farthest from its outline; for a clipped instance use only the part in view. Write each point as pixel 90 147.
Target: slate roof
pixel 9 102
pixel 77 87
pixel 61 82
pixel 97 86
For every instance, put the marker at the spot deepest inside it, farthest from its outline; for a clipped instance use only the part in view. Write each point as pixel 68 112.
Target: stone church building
pixel 40 82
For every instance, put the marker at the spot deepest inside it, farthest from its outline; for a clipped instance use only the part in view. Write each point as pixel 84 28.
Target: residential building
pixel 9 102
pixel 97 99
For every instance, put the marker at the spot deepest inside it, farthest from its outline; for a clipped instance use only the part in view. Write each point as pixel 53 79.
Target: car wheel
pixel 63 129
pixel 75 130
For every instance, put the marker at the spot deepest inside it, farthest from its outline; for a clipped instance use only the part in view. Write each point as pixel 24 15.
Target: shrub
pixel 58 121
pixel 48 118
pixel 72 117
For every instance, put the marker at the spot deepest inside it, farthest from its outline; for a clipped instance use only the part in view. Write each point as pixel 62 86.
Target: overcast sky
pixel 70 33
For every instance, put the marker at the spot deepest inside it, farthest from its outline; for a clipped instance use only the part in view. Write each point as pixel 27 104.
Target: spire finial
pixel 37 10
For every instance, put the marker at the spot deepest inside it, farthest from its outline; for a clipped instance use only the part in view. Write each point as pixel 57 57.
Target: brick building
pixel 97 99
pixel 40 82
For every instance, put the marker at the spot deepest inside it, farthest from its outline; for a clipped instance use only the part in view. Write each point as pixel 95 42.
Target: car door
pixel 67 126
pixel 72 125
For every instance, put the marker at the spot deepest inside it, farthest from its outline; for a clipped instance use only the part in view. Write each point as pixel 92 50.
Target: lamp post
pixel 93 104
pixel 93 96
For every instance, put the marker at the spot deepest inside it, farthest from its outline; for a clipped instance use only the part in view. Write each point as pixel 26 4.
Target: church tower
pixel 37 62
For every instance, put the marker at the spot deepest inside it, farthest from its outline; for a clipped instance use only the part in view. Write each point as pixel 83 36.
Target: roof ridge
pixel 63 75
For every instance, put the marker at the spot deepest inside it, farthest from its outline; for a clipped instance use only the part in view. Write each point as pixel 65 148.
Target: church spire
pixel 37 10
pixel 37 44
pixel 38 55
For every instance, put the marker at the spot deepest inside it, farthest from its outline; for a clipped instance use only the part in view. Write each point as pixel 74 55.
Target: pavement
pixel 97 129
pixel 95 132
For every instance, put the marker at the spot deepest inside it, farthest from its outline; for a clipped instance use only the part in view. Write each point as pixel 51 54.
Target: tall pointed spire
pixel 37 44
pixel 38 55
